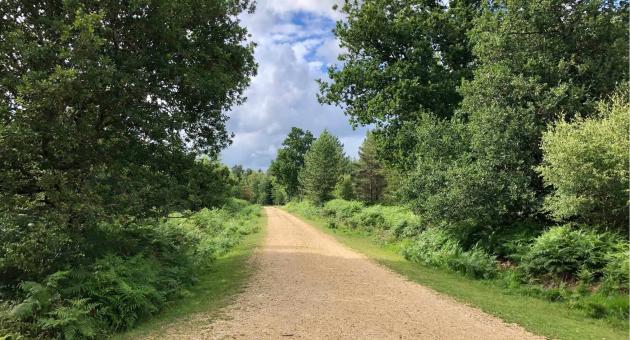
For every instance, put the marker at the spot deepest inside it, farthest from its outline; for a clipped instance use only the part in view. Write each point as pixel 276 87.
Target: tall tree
pixel 290 160
pixel 369 176
pixel 535 61
pixel 401 58
pixel 104 106
pixel 322 170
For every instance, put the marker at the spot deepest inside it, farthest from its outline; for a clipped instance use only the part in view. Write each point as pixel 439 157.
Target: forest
pixel 498 150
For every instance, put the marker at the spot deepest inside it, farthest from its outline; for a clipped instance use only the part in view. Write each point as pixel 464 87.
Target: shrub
pixel 509 242
pixel 605 306
pixel 368 218
pixel 138 268
pixel 616 272
pixel 341 209
pixel 560 253
pixel 437 248
pixel 305 208
pixel 586 162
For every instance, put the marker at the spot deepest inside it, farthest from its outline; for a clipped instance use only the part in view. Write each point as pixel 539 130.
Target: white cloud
pixel 295 44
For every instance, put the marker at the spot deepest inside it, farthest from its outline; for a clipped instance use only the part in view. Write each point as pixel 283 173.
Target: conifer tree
pixel 322 168
pixel 369 178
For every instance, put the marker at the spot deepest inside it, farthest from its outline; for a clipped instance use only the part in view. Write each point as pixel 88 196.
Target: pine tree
pixel 344 189
pixel 322 168
pixel 369 178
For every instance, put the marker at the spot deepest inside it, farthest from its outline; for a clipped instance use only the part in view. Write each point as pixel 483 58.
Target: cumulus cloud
pixel 295 45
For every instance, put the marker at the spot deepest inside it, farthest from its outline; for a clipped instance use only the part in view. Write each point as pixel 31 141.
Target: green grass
pixel 214 290
pixel 553 320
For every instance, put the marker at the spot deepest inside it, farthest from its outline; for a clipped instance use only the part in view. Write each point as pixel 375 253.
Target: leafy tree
pixel 344 188
pixel 586 163
pixel 322 168
pixel 402 58
pixel 278 194
pixel 290 159
pixel 209 185
pixel 477 168
pixel 535 61
pixel 104 107
pixel 264 190
pixel 369 177
pixel 238 171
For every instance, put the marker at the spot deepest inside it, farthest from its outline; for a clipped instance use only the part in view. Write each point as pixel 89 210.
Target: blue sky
pixel 295 47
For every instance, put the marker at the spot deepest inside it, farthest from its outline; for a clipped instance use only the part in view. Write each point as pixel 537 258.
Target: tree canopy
pixel 290 160
pixel 105 107
pixel 323 166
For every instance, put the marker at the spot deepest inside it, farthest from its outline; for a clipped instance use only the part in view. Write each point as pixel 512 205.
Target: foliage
pixel 400 58
pixel 436 248
pixel 143 266
pixel 104 108
pixel 561 252
pixel 256 187
pixel 290 160
pixel 279 196
pixel 322 168
pixel 506 71
pixel 586 163
pixel 369 177
pixel 209 185
pixel 394 221
pixel 344 189
pixel 304 208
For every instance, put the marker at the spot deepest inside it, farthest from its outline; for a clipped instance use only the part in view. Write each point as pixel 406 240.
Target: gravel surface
pixel 309 286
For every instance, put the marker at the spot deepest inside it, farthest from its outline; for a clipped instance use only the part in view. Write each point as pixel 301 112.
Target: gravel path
pixel 309 286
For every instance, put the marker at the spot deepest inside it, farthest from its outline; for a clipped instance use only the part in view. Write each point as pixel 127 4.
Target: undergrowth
pixel 144 266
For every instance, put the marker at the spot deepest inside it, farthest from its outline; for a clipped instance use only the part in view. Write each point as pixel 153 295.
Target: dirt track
pixel 309 286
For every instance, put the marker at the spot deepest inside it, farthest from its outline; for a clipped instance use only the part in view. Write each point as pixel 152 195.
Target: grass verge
pixel 553 320
pixel 214 290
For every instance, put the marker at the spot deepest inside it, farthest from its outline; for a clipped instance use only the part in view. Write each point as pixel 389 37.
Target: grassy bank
pixel 215 290
pixel 553 320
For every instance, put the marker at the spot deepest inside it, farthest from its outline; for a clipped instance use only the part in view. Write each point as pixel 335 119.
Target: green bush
pixel 435 247
pixel 586 162
pixel 616 272
pixel 342 209
pixel 399 221
pixel 509 242
pixel 139 268
pixel 305 208
pixel 561 252
pixel 369 218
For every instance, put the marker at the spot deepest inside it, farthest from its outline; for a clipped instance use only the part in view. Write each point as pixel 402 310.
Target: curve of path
pixel 307 285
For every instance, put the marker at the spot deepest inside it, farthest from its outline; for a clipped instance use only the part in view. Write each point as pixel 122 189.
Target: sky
pixel 295 46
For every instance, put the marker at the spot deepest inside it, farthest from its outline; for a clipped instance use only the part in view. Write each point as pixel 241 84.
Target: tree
pixel 238 171
pixel 105 106
pixel 278 194
pixel 536 60
pixel 344 188
pixel 209 185
pixel 290 160
pixel 369 177
pixel 586 164
pixel 264 190
pixel 402 58
pixel 322 168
